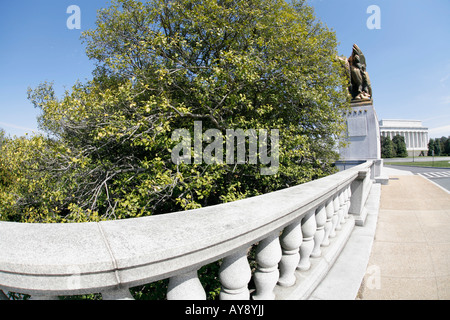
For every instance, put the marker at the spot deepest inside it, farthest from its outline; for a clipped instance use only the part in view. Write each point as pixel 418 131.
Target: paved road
pixel 441 176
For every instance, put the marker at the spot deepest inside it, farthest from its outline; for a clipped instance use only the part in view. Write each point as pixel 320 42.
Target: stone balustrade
pixel 298 233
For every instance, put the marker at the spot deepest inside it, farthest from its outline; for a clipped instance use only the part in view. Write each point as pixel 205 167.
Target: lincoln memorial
pixel 415 134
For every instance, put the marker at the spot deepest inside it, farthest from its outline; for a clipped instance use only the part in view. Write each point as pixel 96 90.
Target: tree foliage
pixel 446 145
pixel 399 146
pixel 387 148
pixel 3 137
pixel 160 66
pixel 440 146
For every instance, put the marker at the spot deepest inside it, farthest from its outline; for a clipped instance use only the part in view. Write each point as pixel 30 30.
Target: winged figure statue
pixel 359 81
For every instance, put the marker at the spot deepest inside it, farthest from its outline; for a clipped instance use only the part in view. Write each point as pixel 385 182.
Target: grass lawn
pixel 437 164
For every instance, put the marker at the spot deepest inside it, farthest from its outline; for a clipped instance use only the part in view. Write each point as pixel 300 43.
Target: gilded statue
pixel 359 82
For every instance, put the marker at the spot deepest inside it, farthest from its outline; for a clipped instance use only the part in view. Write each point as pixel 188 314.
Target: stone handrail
pixel 292 228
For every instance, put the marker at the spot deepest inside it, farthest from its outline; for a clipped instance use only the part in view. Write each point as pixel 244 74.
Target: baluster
pixel 234 275
pixel 268 255
pixel 321 218
pixel 349 195
pixel 291 240
pixel 329 208
pixel 345 203
pixel 185 287
pixel 117 294
pixel 335 219
pixel 341 207
pixel 308 230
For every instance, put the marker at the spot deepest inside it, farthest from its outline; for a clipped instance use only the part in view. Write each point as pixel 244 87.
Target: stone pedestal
pixel 363 137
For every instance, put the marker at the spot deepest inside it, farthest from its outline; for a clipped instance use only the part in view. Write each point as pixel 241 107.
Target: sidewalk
pixel 410 257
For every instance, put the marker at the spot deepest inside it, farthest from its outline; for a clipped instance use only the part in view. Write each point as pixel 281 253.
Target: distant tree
pixel 437 147
pixel 400 146
pixel 430 147
pixel 447 146
pixel 442 142
pixel 387 148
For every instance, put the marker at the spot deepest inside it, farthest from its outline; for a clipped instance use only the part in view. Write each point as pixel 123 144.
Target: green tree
pixel 161 65
pixel 400 146
pixel 5 178
pixel 447 146
pixel 437 147
pixel 442 142
pixel 387 148
pixel 430 147
pixel 2 137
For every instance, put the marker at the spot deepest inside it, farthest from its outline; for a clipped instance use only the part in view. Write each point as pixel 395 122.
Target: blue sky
pixel 408 59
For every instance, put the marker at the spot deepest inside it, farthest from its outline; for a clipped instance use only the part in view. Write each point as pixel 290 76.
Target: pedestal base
pixel 363 138
pixel 363 133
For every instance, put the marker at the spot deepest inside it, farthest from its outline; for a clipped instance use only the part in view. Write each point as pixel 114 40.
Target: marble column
pixel 416 140
pixel 411 139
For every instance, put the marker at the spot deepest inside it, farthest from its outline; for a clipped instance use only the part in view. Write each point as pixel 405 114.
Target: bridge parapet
pixel 298 233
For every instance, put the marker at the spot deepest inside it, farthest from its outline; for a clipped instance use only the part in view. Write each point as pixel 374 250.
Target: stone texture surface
pixel 64 259
pixel 363 134
pixel 344 278
pixel 67 246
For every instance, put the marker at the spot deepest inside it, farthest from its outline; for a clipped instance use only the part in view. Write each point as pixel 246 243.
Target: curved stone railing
pixel 299 232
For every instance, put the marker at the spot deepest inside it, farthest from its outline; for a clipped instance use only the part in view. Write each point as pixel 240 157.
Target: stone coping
pixel 66 259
